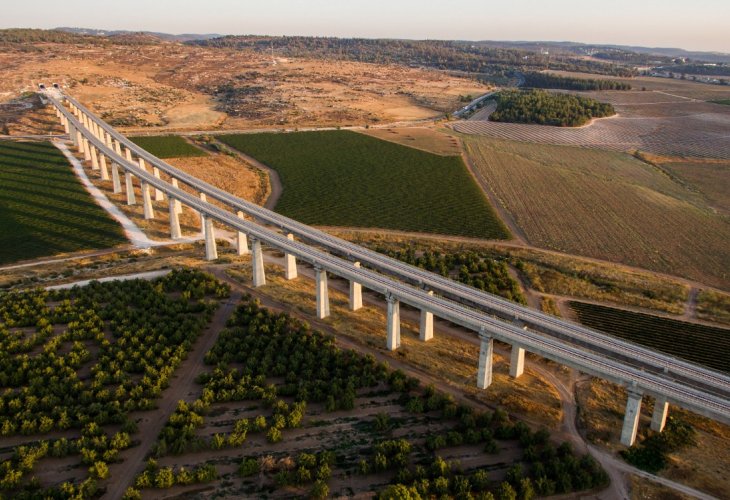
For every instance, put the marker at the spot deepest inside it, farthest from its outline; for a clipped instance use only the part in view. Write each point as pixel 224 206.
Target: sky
pixel 691 25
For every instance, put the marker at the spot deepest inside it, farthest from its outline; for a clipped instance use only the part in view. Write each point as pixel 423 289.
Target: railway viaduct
pixel 643 371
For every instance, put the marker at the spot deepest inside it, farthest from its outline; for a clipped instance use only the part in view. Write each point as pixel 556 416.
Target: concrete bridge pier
pixel 94 159
pixel 73 135
pixel 128 155
pixel 426 329
pixel 290 271
pixel 203 197
pixel 178 205
pixel 257 263
pixel 149 213
pixel 80 141
pixel 355 293
pixel 486 354
pixel 159 195
pixel 323 300
pixel 393 340
pixel 87 149
pixel 103 167
pixel 241 238
pixel 517 361
pixel 131 200
pixel 118 148
pixel 116 184
pixel 659 417
pixel 631 418
pixel 211 251
pixel 175 232
pixel 141 163
pixel 64 122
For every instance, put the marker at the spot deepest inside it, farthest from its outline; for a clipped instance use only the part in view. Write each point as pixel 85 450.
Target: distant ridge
pixel 185 37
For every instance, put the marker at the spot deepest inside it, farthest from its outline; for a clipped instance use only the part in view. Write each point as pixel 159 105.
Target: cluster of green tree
pixel 545 108
pixel 28 35
pixel 143 330
pixel 166 477
pixel 266 345
pixel 629 57
pixel 548 81
pixel 651 454
pixel 96 448
pixel 479 270
pixel 439 54
pixel 698 69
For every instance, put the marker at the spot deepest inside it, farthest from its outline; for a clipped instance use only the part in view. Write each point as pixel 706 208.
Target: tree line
pixel 545 108
pixel 548 81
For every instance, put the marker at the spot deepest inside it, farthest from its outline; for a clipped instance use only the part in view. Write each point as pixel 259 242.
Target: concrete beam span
pixel 568 353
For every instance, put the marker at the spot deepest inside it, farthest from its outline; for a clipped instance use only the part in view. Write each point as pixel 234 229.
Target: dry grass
pixel 703 466
pixel 711 179
pixel 451 359
pixel 605 205
pixel 427 139
pixel 713 306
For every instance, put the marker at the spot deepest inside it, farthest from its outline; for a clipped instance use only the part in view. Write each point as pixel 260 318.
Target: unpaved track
pixel 182 386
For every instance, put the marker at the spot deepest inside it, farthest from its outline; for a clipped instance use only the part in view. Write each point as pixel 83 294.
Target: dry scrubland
pixel 182 87
pixel 605 205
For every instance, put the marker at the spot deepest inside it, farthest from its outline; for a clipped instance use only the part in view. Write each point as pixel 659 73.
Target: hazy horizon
pixel 699 27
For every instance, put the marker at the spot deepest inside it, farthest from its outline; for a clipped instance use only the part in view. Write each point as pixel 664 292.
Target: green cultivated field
pixel 168 146
pixel 44 209
pixel 706 345
pixel 340 178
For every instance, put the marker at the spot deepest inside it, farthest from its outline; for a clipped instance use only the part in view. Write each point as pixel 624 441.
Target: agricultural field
pixel 726 102
pixel 706 345
pixel 605 205
pixel 341 178
pixel 710 178
pixel 44 209
pixel 662 120
pixel 427 139
pixel 284 412
pixel 168 146
pixel 77 369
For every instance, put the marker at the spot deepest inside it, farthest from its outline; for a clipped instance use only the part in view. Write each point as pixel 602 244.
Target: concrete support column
pixel 659 417
pixel 149 213
pixel 211 252
pixel 631 418
pixel 290 272
pixel 116 184
pixel 426 331
pixel 131 200
pixel 94 159
pixel 486 352
pixel 323 301
pixel 103 167
pixel 64 122
pixel 517 361
pixel 203 197
pixel 393 340
pixel 128 155
pixel 241 239
pixel 87 149
pixel 118 148
pixel 141 163
pixel 79 141
pixel 73 135
pixel 257 263
pixel 178 206
pixel 355 293
pixel 175 232
pixel 159 195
